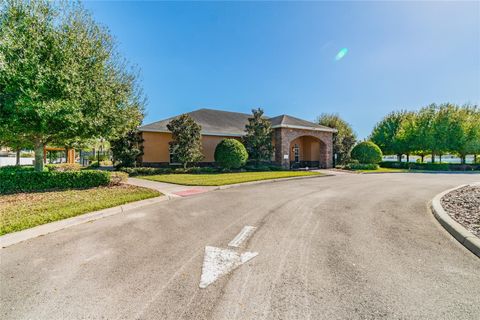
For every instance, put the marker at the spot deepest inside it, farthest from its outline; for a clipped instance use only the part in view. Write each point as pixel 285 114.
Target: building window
pixel 296 153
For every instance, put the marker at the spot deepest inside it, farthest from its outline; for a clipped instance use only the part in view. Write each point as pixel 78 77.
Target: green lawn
pixel 26 210
pixel 220 179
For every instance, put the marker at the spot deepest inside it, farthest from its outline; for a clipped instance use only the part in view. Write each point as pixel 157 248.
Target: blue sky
pixel 281 56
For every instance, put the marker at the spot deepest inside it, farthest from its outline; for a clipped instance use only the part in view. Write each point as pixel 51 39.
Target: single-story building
pixel 297 142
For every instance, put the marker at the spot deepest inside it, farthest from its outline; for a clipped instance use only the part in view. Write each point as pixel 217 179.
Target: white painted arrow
pixel 218 262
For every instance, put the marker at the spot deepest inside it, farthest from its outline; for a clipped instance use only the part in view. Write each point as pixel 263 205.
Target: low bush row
pixel 361 166
pixel 430 166
pixel 28 181
pixel 145 171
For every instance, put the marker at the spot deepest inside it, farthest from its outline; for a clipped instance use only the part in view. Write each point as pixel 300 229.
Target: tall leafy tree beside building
pixel 345 138
pixel 385 134
pixel 127 149
pixel 186 144
pixel 61 78
pixel 258 137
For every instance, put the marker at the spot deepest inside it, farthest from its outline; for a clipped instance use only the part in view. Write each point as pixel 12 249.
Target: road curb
pixel 41 230
pixel 465 237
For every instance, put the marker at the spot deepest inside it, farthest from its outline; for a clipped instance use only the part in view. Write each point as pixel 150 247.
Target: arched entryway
pixel 306 151
pixel 313 145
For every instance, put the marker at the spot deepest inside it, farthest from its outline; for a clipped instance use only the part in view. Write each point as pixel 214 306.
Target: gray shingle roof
pixel 287 121
pixel 226 123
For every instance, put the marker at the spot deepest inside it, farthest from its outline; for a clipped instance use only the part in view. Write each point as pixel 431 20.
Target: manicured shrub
pixel 361 166
pixel 29 181
pixel 14 169
pixel 145 171
pixel 231 154
pixel 367 152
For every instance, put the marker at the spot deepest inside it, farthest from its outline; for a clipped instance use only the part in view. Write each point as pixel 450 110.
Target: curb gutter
pixel 41 230
pixel 465 237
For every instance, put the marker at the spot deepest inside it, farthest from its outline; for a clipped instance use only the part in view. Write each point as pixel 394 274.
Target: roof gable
pixel 226 123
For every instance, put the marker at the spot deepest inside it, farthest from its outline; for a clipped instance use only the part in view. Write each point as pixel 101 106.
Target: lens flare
pixel 341 54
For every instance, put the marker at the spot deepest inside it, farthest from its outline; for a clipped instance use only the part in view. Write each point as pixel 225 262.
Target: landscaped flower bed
pixel 463 205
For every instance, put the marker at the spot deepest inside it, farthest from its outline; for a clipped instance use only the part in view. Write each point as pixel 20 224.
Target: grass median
pixel 26 210
pixel 220 179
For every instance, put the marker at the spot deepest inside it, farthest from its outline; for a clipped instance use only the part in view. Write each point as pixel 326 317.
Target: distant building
pixel 297 142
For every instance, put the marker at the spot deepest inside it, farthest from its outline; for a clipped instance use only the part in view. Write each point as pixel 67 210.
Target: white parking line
pixel 246 232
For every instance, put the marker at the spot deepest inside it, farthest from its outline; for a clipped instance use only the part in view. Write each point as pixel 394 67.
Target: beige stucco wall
pixel 155 146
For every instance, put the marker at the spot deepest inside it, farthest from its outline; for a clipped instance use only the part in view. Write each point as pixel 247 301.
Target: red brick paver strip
pixel 190 192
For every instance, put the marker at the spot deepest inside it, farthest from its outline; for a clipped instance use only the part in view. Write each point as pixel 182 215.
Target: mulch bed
pixel 463 205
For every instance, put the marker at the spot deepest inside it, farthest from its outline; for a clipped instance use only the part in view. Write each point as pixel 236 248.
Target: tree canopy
pixel 61 77
pixel 186 144
pixel 345 138
pixel 385 134
pixel 258 138
pixel 434 129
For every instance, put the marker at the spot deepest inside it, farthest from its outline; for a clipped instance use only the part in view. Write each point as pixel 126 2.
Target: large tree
pixel 467 139
pixel 385 134
pixel 406 136
pixel 345 138
pixel 258 137
pixel 186 144
pixel 15 142
pixel 61 78
pixel 127 149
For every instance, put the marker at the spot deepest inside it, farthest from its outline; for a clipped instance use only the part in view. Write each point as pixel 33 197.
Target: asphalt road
pixel 343 247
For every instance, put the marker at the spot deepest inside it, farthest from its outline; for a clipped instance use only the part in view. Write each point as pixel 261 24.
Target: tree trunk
pixel 474 158
pixel 463 159
pixel 399 157
pixel 422 156
pixel 408 157
pixel 440 158
pixel 433 158
pixel 39 155
pixel 17 160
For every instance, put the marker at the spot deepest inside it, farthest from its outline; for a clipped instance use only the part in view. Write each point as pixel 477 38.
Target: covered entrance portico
pixel 305 152
pixel 300 148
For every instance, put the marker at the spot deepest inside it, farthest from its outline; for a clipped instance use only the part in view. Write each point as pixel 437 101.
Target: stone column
pixel 282 145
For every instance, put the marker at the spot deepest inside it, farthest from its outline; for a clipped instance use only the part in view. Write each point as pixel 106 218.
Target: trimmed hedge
pixel 148 171
pixel 15 169
pixel 361 166
pixel 367 152
pixel 430 166
pixel 231 154
pixel 144 171
pixel 28 181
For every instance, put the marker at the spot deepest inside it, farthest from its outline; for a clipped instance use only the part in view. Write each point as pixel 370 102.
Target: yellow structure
pixel 298 143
